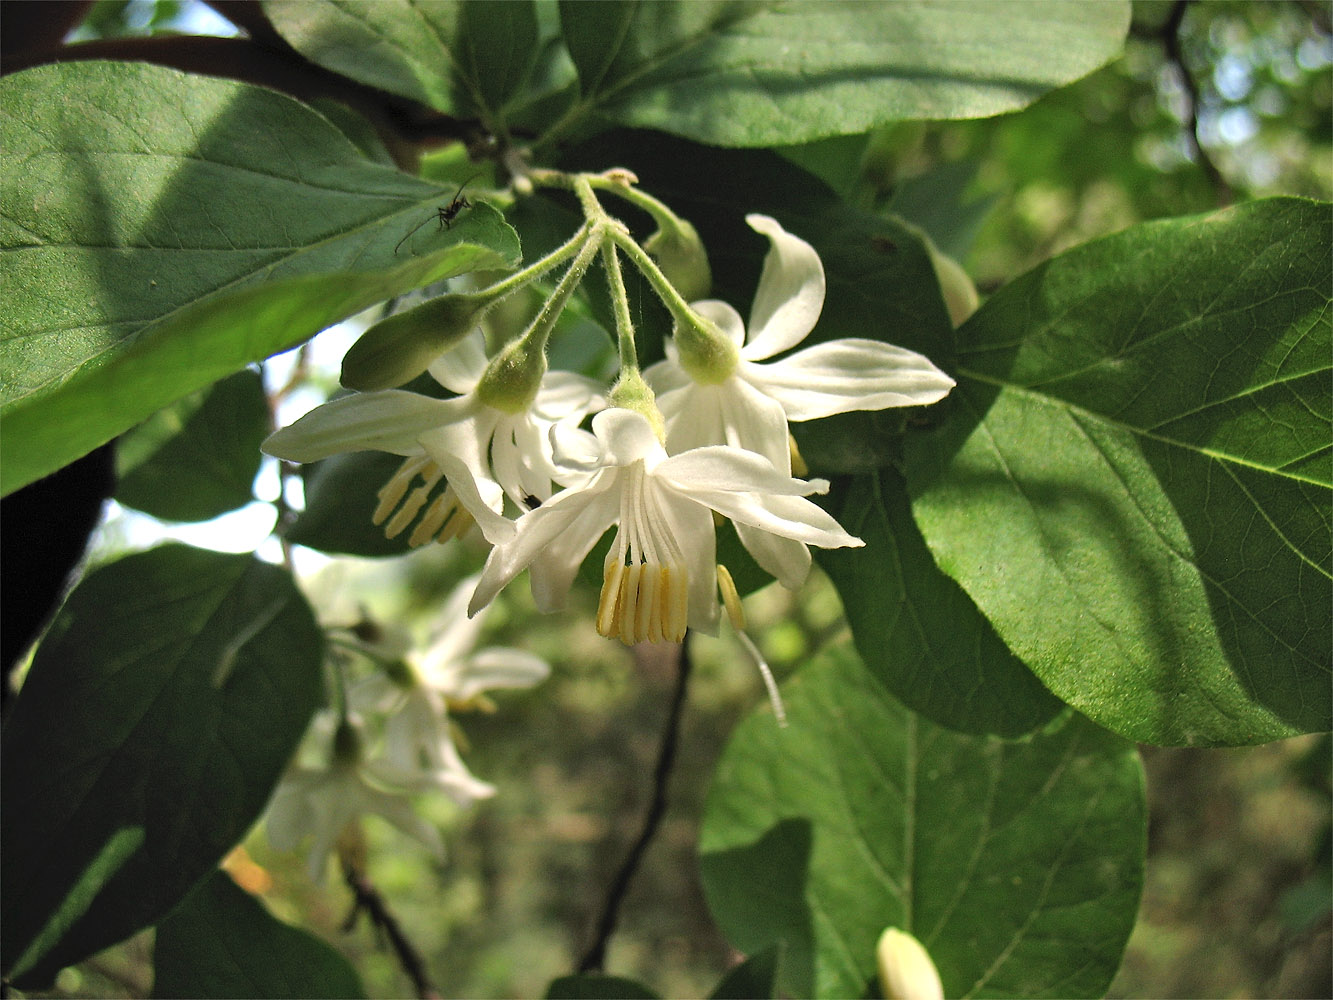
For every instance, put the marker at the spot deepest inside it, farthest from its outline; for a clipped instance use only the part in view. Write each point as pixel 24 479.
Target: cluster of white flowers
pixel 699 435
pixel 723 447
pixel 361 768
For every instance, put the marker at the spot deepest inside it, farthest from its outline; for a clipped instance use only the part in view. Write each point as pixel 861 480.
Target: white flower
pixel 749 407
pixel 417 731
pixel 483 453
pixel 320 802
pixel 660 574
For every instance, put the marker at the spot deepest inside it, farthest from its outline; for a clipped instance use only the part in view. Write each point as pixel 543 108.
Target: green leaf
pixel 1133 478
pixel 916 630
pixel 1017 864
pixel 222 942
pixel 766 73
pixel 465 59
pixel 197 458
pixel 594 986
pixel 754 979
pixel 162 230
pixel 167 696
pixel 340 497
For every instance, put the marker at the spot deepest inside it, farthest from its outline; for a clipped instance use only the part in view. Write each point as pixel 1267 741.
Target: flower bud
pixel 680 254
pixel 398 349
pixel 905 969
pixel 960 294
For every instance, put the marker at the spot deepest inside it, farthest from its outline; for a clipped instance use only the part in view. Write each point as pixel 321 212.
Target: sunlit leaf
pixel 166 698
pixel 1133 481
pixel 766 73
pixel 161 230
pixel 1017 864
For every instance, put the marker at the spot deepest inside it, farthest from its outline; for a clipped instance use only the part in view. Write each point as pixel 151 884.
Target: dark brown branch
pixel 367 899
pixel 1170 37
pixel 595 956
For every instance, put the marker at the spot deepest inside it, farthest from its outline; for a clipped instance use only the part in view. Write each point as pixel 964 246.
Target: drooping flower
pixel 319 802
pixel 748 400
pixel 480 452
pixel 660 574
pixel 416 697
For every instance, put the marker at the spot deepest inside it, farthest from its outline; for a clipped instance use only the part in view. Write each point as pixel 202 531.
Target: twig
pixel 1170 36
pixel 367 900
pixel 606 924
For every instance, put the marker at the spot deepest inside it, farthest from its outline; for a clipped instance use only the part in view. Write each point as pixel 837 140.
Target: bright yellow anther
pixel 641 602
pixel 444 519
pixel 731 599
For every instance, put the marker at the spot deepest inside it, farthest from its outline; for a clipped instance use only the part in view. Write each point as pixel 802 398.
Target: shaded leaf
pixel 594 986
pixel 761 73
pixel 163 230
pixel 167 696
pixel 754 979
pixel 1133 478
pixel 198 458
pixel 465 59
pixel 916 630
pixel 1017 864
pixel 222 942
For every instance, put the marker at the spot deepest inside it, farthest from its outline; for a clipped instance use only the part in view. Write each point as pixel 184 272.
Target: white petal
pixel 373 694
pixel 626 437
pixel 788 516
pixel 734 470
pixel 693 415
pixel 564 394
pixel 851 374
pixel 790 296
pixel 785 559
pixel 460 368
pixel 666 376
pixel 727 319
pixel 399 811
pixel 454 635
pixel 390 420
pixel 554 568
pixel 691 525
pixel 459 450
pixel 537 530
pixel 494 668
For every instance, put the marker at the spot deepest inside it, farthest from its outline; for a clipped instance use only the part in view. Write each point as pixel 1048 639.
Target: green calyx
pixel 514 376
pixel 346 745
pixel 631 392
pixel 681 255
pixel 705 352
pixel 398 349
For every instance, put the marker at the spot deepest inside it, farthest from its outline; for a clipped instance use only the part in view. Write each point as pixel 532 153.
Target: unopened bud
pixel 960 294
pixel 680 254
pixel 398 349
pixel 514 376
pixel 905 969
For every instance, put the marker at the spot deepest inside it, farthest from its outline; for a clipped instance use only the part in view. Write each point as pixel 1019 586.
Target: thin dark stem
pixel 666 757
pixel 1170 35
pixel 367 900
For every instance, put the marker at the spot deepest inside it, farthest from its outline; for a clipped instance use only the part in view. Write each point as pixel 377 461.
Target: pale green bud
pixel 681 255
pixel 346 745
pixel 704 351
pixel 398 349
pixel 905 969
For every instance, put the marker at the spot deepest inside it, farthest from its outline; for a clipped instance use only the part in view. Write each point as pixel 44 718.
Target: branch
pixel 606 924
pixel 367 900
pixel 1170 37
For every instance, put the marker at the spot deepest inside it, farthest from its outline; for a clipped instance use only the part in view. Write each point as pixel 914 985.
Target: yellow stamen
pixel 444 518
pixel 798 467
pixel 642 602
pixel 731 599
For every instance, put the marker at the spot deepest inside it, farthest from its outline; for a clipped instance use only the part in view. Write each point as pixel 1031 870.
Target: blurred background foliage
pixel 1237 901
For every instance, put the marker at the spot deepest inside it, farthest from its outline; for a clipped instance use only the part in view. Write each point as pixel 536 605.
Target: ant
pixel 445 213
